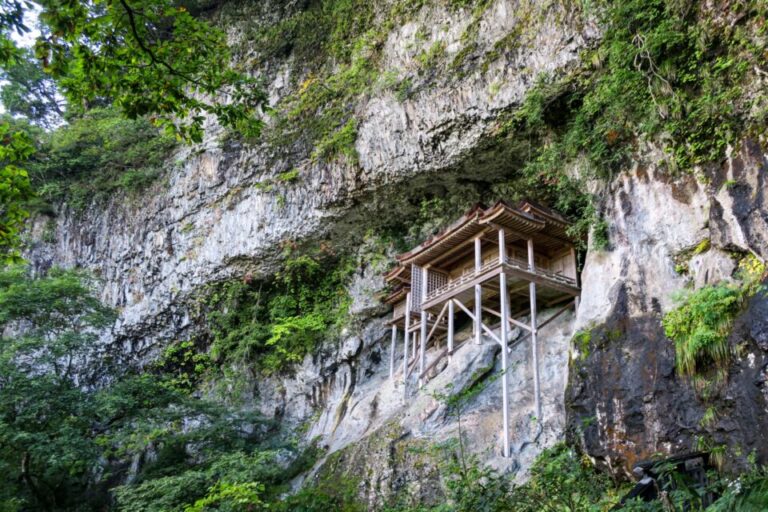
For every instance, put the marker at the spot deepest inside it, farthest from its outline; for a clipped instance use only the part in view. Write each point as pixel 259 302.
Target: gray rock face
pixel 214 217
pixel 625 402
pixel 222 213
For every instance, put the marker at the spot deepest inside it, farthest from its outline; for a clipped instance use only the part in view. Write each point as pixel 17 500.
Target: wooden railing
pixel 461 280
pixel 555 276
pixel 512 262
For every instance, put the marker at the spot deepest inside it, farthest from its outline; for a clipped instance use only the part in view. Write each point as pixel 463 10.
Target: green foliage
pixel 432 55
pixel 226 480
pixel 60 433
pixel 701 324
pixel 682 259
pixel 559 480
pixel 151 57
pixel 29 92
pixel 338 495
pixel 43 455
pixel 288 176
pixel 183 366
pixel 96 155
pixel 15 188
pixel 229 497
pixel 11 23
pixel 336 46
pixel 748 492
pixel 664 71
pixel 275 324
pixel 581 341
pixel 341 142
pixel 700 327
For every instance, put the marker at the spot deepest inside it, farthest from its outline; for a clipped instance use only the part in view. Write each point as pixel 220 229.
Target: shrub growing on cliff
pixel 275 324
pixel 701 324
pixel 97 154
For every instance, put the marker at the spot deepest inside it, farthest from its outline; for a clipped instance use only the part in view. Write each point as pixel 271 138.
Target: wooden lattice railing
pixel 512 262
pixel 461 280
pixel 555 276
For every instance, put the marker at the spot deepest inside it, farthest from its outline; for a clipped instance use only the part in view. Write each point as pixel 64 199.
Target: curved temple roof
pixel 546 227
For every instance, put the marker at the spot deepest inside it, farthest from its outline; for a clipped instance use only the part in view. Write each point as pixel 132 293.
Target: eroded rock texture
pixel 222 212
pixel 625 401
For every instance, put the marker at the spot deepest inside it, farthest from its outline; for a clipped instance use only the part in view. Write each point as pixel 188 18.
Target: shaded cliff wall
pixel 626 403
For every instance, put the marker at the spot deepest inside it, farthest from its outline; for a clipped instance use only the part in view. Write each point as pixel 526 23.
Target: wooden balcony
pixel 515 268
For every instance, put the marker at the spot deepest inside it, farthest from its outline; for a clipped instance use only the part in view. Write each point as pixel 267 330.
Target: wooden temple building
pixel 494 266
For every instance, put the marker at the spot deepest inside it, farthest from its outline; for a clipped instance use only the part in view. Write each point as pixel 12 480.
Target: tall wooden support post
pixel 575 277
pixel 423 333
pixel 450 330
pixel 406 335
pixel 478 293
pixel 505 314
pixel 534 337
pixel 392 352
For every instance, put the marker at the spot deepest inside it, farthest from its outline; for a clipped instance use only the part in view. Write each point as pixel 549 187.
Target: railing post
pixel 534 336
pixel 450 330
pixel 502 247
pixel 423 334
pixel 392 352
pixel 407 334
pixel 478 292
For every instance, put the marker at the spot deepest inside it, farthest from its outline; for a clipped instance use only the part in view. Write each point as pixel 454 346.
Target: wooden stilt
pixel 478 293
pixel 392 352
pixel 534 337
pixel 450 330
pixel 504 342
pixel 406 334
pixel 423 333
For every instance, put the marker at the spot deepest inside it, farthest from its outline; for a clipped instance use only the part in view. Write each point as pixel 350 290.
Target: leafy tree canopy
pixel 30 93
pixel 15 147
pixel 150 57
pixel 65 438
pixel 155 58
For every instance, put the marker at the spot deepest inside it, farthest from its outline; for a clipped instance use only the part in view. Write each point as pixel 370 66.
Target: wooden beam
pixel 440 261
pixel 526 236
pixel 437 322
pixel 488 274
pixel 515 322
pixel 550 319
pixel 539 279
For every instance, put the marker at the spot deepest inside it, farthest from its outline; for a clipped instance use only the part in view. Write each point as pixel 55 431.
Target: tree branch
pixel 135 32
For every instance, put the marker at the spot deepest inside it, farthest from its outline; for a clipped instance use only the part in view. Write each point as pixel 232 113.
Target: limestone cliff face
pixel 222 212
pixel 625 401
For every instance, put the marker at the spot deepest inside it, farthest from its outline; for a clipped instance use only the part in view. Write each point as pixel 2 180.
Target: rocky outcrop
pixel 222 210
pixel 625 401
